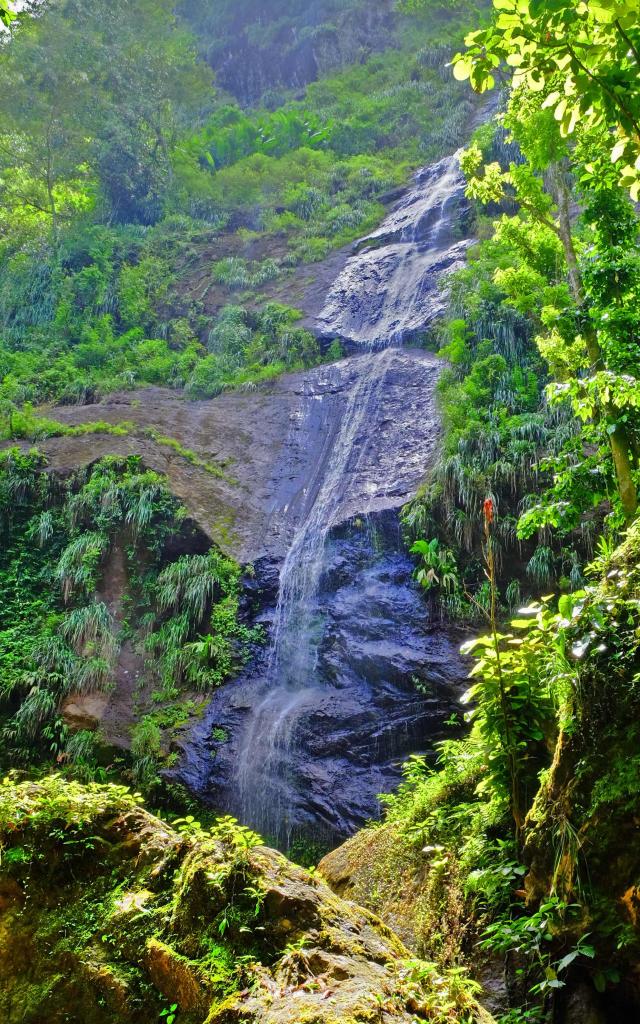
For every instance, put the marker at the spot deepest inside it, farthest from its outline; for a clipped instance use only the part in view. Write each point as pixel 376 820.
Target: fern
pixel 78 565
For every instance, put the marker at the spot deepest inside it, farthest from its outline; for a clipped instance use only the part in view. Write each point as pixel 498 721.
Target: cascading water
pixel 413 241
pixel 317 729
pixel 390 290
pixel 292 677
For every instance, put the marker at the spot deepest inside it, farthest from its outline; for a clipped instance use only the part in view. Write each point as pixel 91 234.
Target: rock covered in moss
pixel 109 914
pixel 379 869
pixel 384 869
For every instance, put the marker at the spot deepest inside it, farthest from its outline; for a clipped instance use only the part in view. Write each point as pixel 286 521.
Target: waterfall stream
pixel 292 675
pixel 410 251
pixel 318 728
pixel 389 291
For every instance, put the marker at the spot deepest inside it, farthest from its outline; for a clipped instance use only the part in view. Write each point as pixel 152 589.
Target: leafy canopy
pixel 7 15
pixel 586 57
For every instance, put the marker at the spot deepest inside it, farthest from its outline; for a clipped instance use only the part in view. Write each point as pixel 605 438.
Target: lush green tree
pixel 585 56
pixel 91 104
pixel 541 189
pixel 7 14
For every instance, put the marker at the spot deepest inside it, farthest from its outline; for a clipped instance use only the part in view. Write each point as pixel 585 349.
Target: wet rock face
pixel 386 678
pixel 271 445
pixel 394 285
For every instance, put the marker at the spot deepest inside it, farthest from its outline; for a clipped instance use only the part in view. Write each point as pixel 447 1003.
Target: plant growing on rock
pixel 68 640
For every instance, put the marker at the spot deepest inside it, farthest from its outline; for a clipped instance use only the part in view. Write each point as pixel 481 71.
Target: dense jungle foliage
pixel 164 178
pixel 526 820
pixel 109 538
pixel 146 213
pixel 154 204
pixel 540 400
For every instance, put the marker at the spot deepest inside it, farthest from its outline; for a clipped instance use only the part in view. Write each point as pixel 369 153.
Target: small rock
pixel 175 977
pixel 84 711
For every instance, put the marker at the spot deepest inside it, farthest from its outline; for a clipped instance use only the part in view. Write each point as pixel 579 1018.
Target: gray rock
pixel 359 720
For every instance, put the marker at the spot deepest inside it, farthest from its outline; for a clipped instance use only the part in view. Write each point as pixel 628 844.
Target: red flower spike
pixel 488 511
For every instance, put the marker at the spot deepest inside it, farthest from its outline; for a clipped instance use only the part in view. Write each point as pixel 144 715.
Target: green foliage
pixel 112 131
pixel 563 76
pixel 245 348
pixel 110 222
pixel 554 446
pixel 588 55
pixel 236 272
pixel 7 14
pixel 496 422
pixel 514 701
pixel 197 636
pixel 59 638
pixel 572 674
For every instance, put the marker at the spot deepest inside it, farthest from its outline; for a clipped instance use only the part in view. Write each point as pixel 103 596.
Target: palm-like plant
pixel 40 706
pixel 79 562
pixel 541 567
pixel 438 569
pixel 191 584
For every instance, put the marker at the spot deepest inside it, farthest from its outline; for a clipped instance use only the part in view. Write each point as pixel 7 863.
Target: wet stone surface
pixel 393 287
pixel 356 720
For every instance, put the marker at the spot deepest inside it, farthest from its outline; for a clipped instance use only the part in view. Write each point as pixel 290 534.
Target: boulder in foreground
pixel 108 914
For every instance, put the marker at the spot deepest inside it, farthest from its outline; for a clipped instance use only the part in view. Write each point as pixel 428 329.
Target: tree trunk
pixel 50 186
pixel 621 450
pixel 619 440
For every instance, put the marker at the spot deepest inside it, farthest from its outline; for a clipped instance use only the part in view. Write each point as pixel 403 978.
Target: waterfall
pixel 318 726
pixel 404 261
pixel 292 676
pixel 390 290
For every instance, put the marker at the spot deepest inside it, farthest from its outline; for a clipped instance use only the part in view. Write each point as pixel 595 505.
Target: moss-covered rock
pixel 420 895
pixel 108 914
pixel 379 869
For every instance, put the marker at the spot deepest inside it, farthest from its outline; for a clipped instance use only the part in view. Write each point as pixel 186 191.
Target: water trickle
pixel 292 672
pixel 390 290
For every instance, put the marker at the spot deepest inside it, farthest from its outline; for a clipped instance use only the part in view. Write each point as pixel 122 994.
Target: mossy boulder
pixel 109 914
pixel 385 869
pixel 380 869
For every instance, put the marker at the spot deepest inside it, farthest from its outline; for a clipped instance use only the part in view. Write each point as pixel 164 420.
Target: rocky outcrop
pixel 379 869
pixel 393 287
pixel 250 461
pixel 108 915
pixel 389 677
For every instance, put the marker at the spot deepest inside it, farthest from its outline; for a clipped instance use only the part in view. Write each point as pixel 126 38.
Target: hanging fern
pixel 78 566
pixel 192 583
pixel 541 567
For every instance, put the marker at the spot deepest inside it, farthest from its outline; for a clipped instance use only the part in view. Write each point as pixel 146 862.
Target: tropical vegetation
pixel 171 183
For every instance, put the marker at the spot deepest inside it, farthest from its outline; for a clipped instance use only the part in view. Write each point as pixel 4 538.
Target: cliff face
pixel 108 915
pixel 247 464
pixel 258 47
